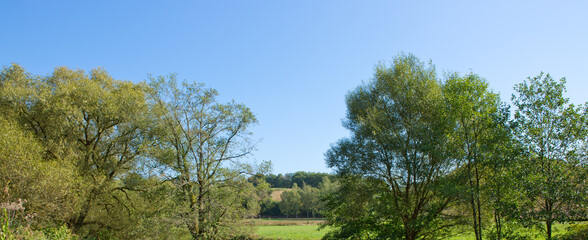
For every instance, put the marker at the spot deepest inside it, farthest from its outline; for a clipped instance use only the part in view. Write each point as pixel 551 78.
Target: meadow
pixel 303 228
pixel 289 229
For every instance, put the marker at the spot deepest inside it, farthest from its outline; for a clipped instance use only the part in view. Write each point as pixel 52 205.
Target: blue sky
pixel 292 62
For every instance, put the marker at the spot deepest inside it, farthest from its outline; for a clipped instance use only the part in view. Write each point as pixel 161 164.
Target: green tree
pixel 291 203
pixel 154 209
pixel 199 144
pixel 262 194
pixel 309 197
pixel 326 189
pixel 473 108
pixel 278 181
pixel 45 187
pixel 399 128
pixel 310 178
pixel 502 168
pixel 552 132
pixel 91 122
pixel 358 208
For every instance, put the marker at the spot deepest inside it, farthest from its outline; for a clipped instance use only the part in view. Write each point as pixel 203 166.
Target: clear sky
pixel 292 62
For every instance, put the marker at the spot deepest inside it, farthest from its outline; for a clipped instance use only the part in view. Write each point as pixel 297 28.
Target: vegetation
pixel 111 158
pixel 195 140
pixel 290 228
pixel 86 156
pixel 427 155
pixel 553 133
pixel 399 141
pixel 299 178
pixel 290 232
pixel 295 201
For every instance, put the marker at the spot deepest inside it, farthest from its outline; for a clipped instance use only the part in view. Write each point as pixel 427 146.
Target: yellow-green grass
pixel 288 228
pixel 290 232
pixel 558 228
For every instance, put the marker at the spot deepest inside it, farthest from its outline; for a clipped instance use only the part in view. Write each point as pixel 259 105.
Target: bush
pixel 575 232
pixel 61 233
pixel 270 208
pixel 9 229
pixel 21 232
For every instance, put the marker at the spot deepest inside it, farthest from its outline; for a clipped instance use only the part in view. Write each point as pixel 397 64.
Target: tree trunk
pixel 193 228
pixel 477 198
pixel 475 218
pixel 498 227
pixel 411 235
pixel 549 219
pixel 79 221
pixel 548 223
pixel 497 215
pixel 193 223
pixel 474 199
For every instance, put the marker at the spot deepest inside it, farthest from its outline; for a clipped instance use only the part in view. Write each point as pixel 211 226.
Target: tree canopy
pixel 553 134
pixel 399 130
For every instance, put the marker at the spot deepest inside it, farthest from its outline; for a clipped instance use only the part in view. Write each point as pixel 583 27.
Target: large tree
pixel 399 130
pixel 199 145
pixel 474 110
pixel 553 133
pixel 89 121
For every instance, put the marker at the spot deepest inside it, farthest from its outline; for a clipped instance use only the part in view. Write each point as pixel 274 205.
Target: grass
pixel 290 232
pixel 289 228
pixel 303 228
pixel 558 228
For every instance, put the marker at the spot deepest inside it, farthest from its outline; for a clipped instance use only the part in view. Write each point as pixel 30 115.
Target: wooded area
pixel 91 157
pixel 434 153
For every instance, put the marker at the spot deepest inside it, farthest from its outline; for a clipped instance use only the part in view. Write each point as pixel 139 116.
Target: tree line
pixel 428 154
pixel 299 178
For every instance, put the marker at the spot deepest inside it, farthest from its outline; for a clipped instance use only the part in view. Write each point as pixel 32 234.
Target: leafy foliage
pixel 300 178
pixel 291 203
pixel 90 148
pixel 198 145
pixel 553 134
pixel 399 129
pixel 478 132
pixel 574 232
pixel 443 151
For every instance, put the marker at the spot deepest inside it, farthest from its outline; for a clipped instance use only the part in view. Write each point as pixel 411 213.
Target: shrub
pixel 575 232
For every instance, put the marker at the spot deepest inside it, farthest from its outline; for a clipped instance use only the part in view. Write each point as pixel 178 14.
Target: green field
pixel 289 228
pixel 290 232
pixel 307 229
pixel 558 228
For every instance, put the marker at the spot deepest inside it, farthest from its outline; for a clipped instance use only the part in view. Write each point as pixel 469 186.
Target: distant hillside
pixel 277 192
